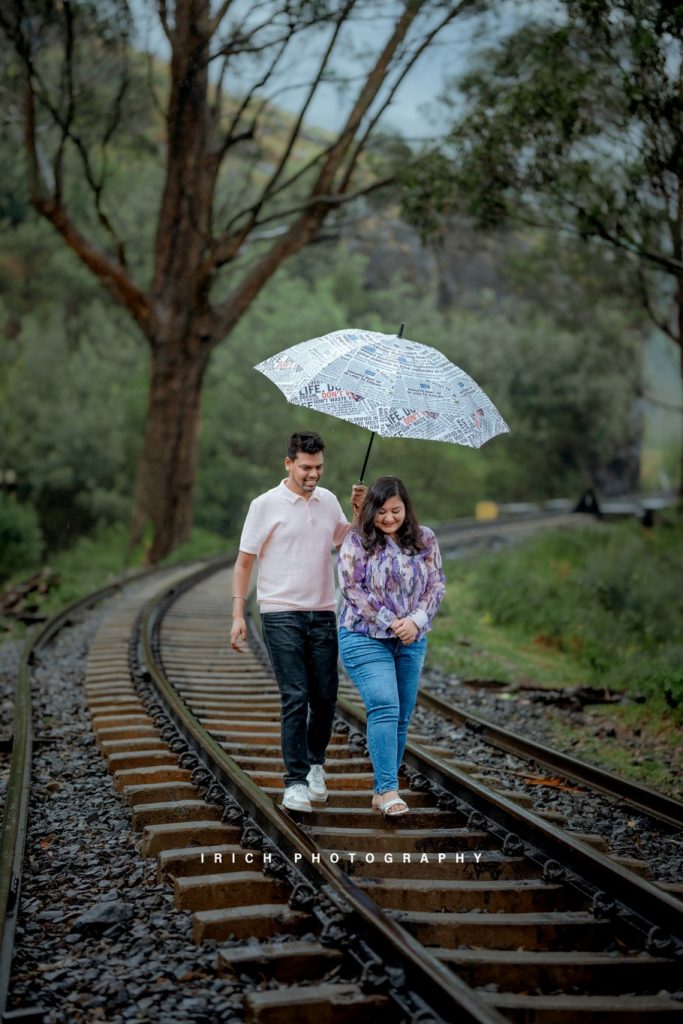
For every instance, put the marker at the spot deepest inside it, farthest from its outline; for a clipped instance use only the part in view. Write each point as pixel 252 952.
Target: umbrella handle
pixel 372 435
pixel 367 456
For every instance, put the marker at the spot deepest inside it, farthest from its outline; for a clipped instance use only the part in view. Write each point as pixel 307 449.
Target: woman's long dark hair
pixel 408 535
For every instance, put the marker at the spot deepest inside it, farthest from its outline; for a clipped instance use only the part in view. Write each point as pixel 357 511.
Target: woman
pixel 390 576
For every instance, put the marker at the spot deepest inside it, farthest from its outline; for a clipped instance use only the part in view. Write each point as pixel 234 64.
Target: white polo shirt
pixel 293 537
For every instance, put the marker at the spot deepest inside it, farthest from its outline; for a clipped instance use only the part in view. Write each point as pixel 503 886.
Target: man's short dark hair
pixel 304 441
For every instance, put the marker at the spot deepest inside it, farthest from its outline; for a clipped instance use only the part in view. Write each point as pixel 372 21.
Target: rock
pixel 102 916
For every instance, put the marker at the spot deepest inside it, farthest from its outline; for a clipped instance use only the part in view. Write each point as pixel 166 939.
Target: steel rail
pixel 652 802
pixel 13 840
pixel 468 524
pixel 449 997
pixel 640 899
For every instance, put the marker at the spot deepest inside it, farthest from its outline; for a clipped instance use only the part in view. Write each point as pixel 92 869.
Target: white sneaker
pixel 296 798
pixel 317 790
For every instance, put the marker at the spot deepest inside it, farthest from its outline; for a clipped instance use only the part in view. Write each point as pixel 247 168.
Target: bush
pixel 21 542
pixel 610 598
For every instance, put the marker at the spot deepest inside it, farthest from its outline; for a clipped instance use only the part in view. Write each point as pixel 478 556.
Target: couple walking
pixel 391 578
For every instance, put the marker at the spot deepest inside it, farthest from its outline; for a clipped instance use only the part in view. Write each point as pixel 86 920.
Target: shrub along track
pixel 470 908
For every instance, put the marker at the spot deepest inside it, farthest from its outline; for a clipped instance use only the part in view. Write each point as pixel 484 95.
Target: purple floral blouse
pixel 389 584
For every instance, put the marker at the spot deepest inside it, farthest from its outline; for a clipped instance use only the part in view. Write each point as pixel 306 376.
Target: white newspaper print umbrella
pixel 388 384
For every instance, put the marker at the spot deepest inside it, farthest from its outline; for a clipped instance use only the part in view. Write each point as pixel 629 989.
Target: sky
pixel 413 111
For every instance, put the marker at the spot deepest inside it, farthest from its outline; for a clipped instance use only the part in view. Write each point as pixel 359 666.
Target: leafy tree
pixel 575 122
pixel 567 389
pixel 21 543
pixel 238 187
pixel 72 387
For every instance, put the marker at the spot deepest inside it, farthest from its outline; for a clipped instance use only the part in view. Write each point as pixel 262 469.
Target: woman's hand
pixel 405 629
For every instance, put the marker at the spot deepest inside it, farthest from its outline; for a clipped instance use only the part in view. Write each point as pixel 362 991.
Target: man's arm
pixel 240 589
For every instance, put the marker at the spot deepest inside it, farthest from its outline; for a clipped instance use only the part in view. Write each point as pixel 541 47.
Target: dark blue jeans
pixel 303 652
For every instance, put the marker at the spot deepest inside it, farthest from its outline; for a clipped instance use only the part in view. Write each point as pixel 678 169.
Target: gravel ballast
pixel 98 937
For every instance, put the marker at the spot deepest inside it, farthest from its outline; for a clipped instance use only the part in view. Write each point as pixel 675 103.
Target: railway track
pixel 642 798
pixel 463 534
pixel 473 908
pixel 530 771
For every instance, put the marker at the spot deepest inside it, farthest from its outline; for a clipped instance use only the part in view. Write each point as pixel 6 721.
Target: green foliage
pixel 21 542
pixel 607 598
pixel 573 121
pixel 575 118
pixel 560 356
pixel 72 389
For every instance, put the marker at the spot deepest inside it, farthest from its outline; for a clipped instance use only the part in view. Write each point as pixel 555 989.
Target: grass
pixel 97 560
pixel 465 641
pixel 607 738
pixel 599 607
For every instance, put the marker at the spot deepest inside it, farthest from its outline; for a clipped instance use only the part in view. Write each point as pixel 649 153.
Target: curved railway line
pixel 472 908
pixel 644 799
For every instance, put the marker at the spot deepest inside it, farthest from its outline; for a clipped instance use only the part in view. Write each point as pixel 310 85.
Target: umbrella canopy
pixel 392 386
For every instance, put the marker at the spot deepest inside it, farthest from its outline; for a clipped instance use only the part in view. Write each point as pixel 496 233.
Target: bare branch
pixel 276 191
pixel 657 320
pixel 228 245
pixel 111 272
pixel 162 8
pixel 267 190
pixel 331 201
pixel 231 133
pixel 67 83
pixel 216 107
pixel 117 105
pixel 670 406
pixel 96 184
pixel 296 128
pixel 409 64
pixel 365 98
pixel 156 103
pixel 220 14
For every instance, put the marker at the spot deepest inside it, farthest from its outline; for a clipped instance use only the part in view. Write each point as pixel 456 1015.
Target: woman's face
pixel 390 516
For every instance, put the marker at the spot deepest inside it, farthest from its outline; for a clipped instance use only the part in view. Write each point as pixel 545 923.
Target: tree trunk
pixel 169 458
pixel 175 313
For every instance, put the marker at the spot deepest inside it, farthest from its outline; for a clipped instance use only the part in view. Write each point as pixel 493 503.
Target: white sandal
pixel 385 806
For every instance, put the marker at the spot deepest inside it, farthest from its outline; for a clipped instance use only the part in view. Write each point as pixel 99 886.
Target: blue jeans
pixel 303 652
pixel 387 674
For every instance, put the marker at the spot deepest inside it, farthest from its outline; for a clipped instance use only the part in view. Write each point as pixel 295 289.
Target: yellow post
pixel 485 510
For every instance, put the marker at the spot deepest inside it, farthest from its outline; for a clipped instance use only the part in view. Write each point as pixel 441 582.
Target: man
pixel 291 529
